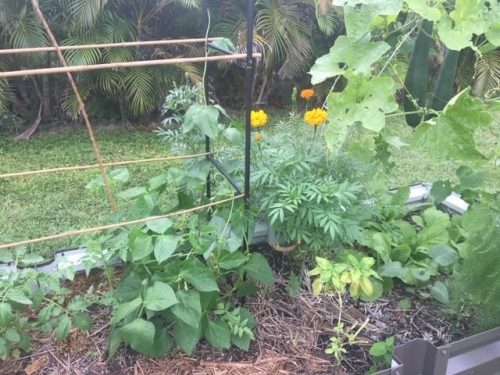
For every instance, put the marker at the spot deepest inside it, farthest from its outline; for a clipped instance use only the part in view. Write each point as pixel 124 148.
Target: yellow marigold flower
pixel 316 117
pixel 258 137
pixel 307 94
pixel 258 119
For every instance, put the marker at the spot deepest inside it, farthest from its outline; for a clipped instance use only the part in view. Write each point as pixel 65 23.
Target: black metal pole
pixel 249 78
pixel 205 92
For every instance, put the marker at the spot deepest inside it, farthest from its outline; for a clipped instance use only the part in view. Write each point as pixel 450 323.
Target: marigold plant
pixel 315 117
pixel 258 119
pixel 307 94
pixel 258 137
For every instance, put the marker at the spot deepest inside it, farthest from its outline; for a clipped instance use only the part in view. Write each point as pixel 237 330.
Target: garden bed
pixel 292 331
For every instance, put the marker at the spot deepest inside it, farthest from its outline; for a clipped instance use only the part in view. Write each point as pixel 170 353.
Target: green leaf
pixel 440 292
pixel 359 14
pixel 234 135
pixel 63 327
pixel 132 193
pixel 358 57
pixel 165 246
pixel 120 175
pixel 18 296
pixel 115 340
pixel 159 226
pixel 378 349
pixel 451 135
pixel 186 336
pixel 163 343
pixel 469 179
pixel 230 261
pixel 83 321
pixel 198 275
pixel 6 315
pixel 129 288
pixel 435 228
pixel 140 335
pixel 258 268
pixel 126 310
pixel 382 244
pixel 204 118
pixel 405 304
pixel 421 7
pixel 224 43
pixel 392 269
pixel 469 18
pixel 157 182
pixel 188 309
pixel 141 245
pixel 366 101
pixel 443 255
pixel 12 335
pixel 242 342
pixel 218 334
pixel 159 296
pixel 441 190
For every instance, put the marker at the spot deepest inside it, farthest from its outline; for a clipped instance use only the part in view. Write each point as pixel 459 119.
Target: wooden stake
pixel 79 232
pixel 146 43
pixel 93 166
pixel 131 64
pixel 81 104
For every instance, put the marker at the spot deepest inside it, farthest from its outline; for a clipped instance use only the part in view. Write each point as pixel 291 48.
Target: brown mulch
pixel 292 333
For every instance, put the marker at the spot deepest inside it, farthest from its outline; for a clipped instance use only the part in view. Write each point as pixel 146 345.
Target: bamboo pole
pixel 81 104
pixel 86 68
pixel 74 233
pixel 94 166
pixel 146 43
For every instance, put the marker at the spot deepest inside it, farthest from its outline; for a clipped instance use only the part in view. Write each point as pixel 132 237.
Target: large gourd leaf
pixel 357 56
pixel 451 135
pixel 364 101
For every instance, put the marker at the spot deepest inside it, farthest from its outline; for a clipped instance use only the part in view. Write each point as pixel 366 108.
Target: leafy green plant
pixel 354 271
pixel 180 279
pixel 298 195
pixel 474 285
pixel 381 354
pixel 413 252
pixel 32 301
pixel 177 102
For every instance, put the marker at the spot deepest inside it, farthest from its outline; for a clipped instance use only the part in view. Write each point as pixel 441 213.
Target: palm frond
pixel 84 13
pixel 141 90
pixel 487 77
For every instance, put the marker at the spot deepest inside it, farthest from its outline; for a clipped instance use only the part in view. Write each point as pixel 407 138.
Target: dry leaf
pixel 37 365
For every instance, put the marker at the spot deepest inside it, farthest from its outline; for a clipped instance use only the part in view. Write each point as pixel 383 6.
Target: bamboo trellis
pixel 249 56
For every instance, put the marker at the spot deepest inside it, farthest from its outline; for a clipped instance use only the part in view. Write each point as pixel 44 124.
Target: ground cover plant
pixel 357 257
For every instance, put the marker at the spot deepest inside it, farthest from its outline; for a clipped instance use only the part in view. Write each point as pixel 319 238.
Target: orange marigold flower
pixel 307 94
pixel 258 119
pixel 258 137
pixel 316 117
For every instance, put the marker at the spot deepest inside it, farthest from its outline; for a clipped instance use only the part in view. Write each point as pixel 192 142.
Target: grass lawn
pixel 41 205
pixel 47 204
